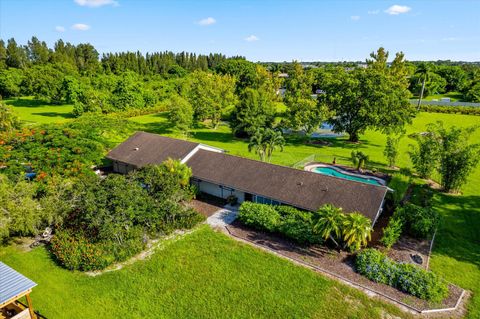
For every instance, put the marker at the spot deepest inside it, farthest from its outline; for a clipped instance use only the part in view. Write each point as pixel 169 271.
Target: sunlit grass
pixel 204 275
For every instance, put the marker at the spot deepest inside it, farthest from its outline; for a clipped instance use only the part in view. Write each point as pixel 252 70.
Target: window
pixel 265 200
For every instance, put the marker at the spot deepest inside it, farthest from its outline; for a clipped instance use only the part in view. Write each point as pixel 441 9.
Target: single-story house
pixel 220 174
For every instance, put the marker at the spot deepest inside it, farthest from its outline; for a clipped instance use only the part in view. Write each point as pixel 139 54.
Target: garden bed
pixel 340 265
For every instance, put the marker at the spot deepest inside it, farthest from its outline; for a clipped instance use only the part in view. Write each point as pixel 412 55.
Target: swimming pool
pixel 330 171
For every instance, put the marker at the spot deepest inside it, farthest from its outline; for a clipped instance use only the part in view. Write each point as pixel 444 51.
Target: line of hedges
pixel 286 220
pixel 467 110
pixel 406 277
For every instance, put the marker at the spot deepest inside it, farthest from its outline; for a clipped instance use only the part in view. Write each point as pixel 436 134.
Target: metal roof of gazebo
pixel 13 285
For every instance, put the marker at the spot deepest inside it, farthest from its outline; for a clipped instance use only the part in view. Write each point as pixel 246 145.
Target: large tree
pixel 254 110
pixel 303 112
pixel 180 113
pixel 211 95
pixel 375 97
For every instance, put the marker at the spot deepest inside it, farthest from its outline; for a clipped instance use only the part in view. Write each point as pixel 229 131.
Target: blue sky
pixel 260 30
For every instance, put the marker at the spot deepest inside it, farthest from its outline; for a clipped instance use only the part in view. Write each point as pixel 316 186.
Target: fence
pixel 444 103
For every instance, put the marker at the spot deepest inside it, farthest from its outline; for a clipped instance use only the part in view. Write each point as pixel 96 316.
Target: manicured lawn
pixel 454 96
pixel 204 275
pixel 32 111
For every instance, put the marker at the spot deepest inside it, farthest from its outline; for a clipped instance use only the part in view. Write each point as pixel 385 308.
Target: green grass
pixel 456 254
pixel 31 111
pixel 454 96
pixel 204 275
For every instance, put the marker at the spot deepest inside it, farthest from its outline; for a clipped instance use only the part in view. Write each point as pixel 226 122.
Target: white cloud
pixel 251 38
pixel 96 3
pixel 60 28
pixel 80 27
pixel 207 21
pixel 397 9
pixel 373 12
pixel 355 18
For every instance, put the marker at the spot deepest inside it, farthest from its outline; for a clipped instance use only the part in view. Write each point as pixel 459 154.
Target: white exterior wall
pixel 216 190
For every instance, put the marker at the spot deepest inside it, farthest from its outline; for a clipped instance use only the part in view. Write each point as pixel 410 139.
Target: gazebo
pixel 14 286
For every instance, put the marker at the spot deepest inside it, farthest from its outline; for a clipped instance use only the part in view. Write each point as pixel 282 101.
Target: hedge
pixel 297 225
pixel 406 277
pixel 75 252
pixel 467 110
pixel 286 220
pixel 259 216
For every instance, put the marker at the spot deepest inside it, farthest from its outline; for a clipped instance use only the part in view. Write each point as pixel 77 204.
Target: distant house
pixel 282 75
pixel 221 175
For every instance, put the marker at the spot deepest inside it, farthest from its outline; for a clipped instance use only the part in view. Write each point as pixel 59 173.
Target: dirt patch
pixel 339 264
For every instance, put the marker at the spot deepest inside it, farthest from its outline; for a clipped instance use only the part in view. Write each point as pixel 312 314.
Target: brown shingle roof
pixel 144 148
pixel 291 186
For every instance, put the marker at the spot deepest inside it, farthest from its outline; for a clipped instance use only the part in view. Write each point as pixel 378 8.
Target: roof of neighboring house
pixel 290 186
pixel 12 284
pixel 144 148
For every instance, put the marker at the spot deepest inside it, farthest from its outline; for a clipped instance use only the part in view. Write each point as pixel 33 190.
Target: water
pixel 333 172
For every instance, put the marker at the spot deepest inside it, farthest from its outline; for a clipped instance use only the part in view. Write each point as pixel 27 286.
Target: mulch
pixel 207 205
pixel 337 263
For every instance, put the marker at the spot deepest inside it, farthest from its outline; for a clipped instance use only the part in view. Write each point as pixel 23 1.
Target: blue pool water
pixel 333 172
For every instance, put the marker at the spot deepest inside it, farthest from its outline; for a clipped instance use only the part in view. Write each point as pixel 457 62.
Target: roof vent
pixel 136 149
pixel 300 183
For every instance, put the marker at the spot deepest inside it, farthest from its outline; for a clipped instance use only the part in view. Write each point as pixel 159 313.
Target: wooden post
pixel 30 308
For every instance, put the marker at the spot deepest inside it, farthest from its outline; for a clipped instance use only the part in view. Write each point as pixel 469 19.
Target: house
pixel 219 174
pixel 14 286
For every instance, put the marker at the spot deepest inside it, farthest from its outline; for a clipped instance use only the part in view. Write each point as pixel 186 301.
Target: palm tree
pixel 258 143
pixel 357 230
pixel 360 159
pixel 329 223
pixel 274 139
pixel 423 71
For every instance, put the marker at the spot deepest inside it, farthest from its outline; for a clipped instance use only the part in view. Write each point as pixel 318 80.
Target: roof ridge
pixel 291 168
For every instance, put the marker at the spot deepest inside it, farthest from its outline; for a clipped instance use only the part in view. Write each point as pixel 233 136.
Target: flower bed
pixel 341 266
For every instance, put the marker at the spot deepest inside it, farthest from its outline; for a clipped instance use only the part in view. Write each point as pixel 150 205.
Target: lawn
pixel 454 97
pixel 204 275
pixel 31 111
pixel 456 254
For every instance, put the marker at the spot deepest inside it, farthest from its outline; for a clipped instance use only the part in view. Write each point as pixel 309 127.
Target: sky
pixel 261 30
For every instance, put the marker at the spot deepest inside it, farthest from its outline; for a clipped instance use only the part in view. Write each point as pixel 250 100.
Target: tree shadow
pixel 213 136
pixel 55 114
pixel 27 103
pixel 157 128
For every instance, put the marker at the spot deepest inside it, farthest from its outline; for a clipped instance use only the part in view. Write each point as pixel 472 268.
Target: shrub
pixel 406 277
pixel 75 252
pixel 187 219
pixel 392 232
pixel 376 266
pixel 259 216
pixel 468 110
pixel 419 222
pixel 420 283
pixel 297 225
pixel 399 183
